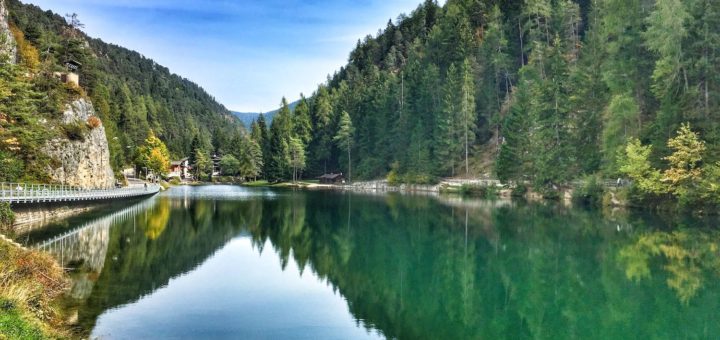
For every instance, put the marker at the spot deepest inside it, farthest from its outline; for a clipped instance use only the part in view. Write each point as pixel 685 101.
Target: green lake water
pixel 216 262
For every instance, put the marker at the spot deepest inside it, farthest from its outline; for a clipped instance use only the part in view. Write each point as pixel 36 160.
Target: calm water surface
pixel 231 262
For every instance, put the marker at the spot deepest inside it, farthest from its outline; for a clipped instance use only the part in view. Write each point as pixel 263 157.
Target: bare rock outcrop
pixel 83 162
pixel 7 42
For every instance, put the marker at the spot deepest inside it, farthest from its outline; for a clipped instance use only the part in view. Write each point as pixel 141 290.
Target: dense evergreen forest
pixel 132 95
pixel 544 91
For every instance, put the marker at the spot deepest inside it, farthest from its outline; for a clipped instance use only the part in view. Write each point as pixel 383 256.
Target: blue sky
pixel 248 54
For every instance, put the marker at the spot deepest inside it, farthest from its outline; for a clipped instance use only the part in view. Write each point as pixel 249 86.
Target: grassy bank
pixel 7 218
pixel 30 284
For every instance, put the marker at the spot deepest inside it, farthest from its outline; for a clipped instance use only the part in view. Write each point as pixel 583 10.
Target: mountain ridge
pixel 248 117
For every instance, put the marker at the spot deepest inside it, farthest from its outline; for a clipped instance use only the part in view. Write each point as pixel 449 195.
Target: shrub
pixel 549 193
pixel 520 190
pixel 393 177
pixel 492 192
pixel 75 131
pixel 73 91
pixel 12 167
pixel 30 284
pixel 591 192
pixel 489 192
pixel 94 122
pixel 422 179
pixel 7 217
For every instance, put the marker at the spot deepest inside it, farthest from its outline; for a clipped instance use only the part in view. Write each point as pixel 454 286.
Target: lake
pixel 232 262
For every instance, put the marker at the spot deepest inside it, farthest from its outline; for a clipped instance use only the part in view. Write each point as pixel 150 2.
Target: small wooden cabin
pixel 71 76
pixel 332 179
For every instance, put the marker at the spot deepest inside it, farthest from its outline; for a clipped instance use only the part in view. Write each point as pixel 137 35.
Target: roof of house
pixel 330 176
pixel 173 163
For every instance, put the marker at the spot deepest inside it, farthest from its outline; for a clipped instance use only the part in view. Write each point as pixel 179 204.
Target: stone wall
pixel 383 186
pixel 38 216
pixel 83 163
pixel 7 42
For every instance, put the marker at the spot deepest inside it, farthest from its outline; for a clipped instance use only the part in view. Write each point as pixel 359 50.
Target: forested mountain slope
pixel 131 93
pixel 553 88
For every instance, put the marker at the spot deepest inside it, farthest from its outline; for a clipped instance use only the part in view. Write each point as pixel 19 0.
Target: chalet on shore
pixel 180 169
pixel 332 179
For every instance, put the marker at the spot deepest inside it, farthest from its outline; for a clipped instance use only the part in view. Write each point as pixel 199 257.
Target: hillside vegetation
pixel 132 95
pixel 553 90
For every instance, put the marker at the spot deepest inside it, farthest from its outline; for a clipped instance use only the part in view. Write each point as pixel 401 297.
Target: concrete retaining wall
pixel 36 216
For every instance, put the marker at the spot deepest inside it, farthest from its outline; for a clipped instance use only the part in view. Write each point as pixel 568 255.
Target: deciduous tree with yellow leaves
pixel 154 155
pixel 686 179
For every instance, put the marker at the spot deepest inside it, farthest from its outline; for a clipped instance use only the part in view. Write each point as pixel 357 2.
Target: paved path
pixel 24 193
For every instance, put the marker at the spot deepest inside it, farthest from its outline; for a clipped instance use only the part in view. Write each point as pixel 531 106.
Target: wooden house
pixel 332 179
pixel 180 169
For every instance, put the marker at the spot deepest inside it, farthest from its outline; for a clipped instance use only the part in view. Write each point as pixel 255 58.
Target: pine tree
pixel 264 141
pixel 588 98
pixel 297 157
pixel 495 71
pixel 449 123
pixel 322 113
pixel 302 126
pixel 344 138
pixel 279 146
pixel 513 162
pixel 624 67
pixel 467 110
pixel 664 35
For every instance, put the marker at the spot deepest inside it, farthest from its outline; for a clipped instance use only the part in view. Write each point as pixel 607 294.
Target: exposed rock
pixel 82 163
pixel 7 42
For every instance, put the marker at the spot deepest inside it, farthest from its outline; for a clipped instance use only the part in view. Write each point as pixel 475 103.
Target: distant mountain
pixel 247 117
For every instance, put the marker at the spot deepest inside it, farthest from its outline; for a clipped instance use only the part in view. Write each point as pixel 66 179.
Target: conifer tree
pixel 449 123
pixel 467 110
pixel 514 157
pixel 279 145
pixel 322 119
pixel 263 138
pixel 344 138
pixel 297 157
pixel 302 126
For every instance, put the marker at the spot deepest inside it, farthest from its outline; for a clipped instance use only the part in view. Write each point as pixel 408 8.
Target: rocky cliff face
pixel 84 162
pixel 7 42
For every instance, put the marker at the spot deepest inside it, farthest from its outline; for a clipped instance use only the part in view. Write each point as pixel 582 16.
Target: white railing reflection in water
pixel 76 243
pixel 39 193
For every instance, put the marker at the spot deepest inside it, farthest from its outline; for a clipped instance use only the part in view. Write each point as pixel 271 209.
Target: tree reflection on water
pixel 425 268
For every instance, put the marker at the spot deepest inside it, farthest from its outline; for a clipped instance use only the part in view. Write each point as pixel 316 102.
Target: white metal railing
pixel 38 193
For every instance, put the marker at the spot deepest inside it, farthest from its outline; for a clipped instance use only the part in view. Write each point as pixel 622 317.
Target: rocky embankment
pixel 7 42
pixel 82 162
pixel 384 186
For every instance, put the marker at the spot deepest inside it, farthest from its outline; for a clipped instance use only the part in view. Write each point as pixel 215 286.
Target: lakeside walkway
pixel 25 193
